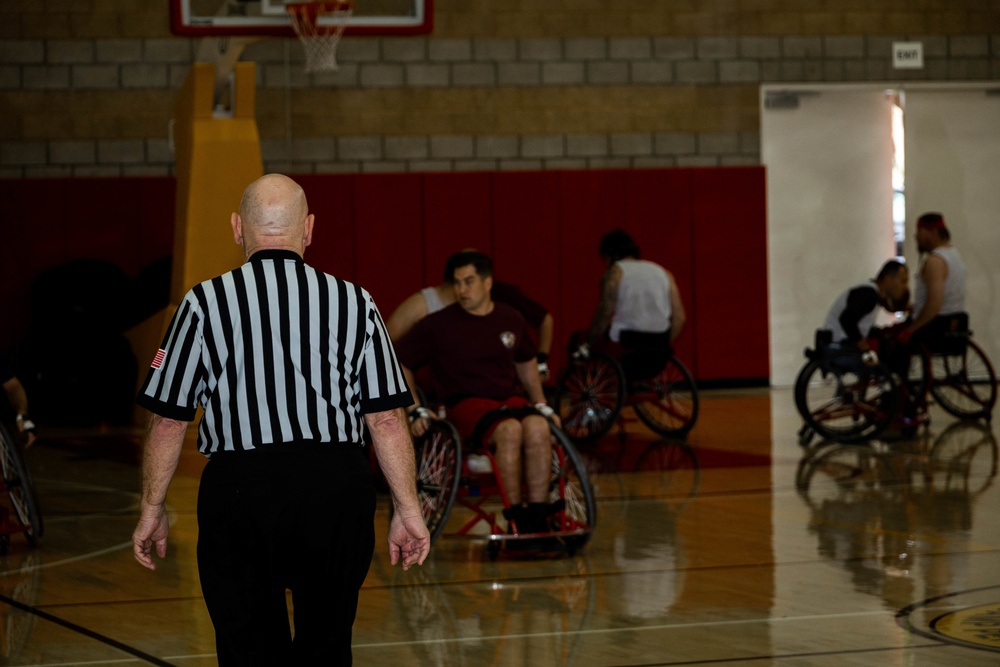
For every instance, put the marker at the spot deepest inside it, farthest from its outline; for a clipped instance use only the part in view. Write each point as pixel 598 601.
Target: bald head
pixel 273 214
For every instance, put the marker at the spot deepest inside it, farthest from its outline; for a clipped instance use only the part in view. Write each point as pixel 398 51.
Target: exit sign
pixel 907 55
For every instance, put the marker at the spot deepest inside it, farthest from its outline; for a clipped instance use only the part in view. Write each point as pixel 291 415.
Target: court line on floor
pixel 79 629
pixel 642 628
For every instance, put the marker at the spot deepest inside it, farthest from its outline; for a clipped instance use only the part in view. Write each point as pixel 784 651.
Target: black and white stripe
pixel 276 352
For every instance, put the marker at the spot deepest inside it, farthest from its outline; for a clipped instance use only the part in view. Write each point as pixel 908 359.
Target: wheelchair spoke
pixel 589 398
pixel 438 463
pixel 964 383
pixel 842 399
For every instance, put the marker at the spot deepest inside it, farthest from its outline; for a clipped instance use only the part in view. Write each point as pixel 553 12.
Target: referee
pixel 290 365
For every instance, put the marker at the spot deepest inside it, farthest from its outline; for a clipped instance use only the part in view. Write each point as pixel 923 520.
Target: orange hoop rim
pixel 311 11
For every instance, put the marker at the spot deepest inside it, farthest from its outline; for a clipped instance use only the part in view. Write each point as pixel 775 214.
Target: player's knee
pixel 507 431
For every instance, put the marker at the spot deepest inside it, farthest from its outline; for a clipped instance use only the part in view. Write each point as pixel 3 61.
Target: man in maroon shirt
pixel 481 355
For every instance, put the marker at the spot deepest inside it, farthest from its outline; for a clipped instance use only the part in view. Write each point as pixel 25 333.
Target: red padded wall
pixel 388 237
pixel 591 203
pixel 392 232
pixel 48 222
pixel 457 214
pixel 658 215
pixel 331 200
pixel 730 272
pixel 526 233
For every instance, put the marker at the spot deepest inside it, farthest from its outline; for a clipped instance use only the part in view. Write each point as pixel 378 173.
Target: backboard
pixel 204 18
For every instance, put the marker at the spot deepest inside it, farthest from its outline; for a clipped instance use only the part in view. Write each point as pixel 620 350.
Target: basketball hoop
pixel 319 40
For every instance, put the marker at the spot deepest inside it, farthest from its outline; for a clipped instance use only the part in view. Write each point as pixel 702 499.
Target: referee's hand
pixel 151 530
pixel 409 540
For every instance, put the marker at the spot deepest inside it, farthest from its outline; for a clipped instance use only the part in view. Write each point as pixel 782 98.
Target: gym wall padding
pixel 392 232
pixel 49 222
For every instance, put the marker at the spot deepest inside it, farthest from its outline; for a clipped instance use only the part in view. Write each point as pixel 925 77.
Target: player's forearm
pixel 929 311
pixel 677 320
pixel 16 395
pixel 527 373
pixel 545 334
pixel 599 325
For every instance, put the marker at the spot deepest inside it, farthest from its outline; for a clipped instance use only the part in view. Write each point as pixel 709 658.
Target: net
pixel 319 26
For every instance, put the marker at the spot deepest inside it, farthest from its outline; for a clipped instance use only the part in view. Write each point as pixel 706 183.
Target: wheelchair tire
pixel 570 486
pixel 964 384
pixel 589 397
pixel 439 467
pixel 20 490
pixel 668 402
pixel 843 400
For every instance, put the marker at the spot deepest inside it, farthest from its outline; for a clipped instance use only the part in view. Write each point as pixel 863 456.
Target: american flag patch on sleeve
pixel 158 359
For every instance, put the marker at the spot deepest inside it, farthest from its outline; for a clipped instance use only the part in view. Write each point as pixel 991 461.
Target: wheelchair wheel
pixel 918 377
pixel 570 488
pixel 19 487
pixel 844 400
pixel 963 459
pixel 964 383
pixel 439 467
pixel 589 397
pixel 667 403
pixel 839 476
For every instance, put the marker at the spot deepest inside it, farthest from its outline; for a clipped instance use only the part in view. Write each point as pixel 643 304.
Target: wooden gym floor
pixel 744 549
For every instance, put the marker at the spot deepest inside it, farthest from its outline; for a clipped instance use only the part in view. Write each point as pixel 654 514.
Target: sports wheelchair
pixel 958 373
pixel 843 398
pixel 17 483
pixel 445 480
pixel 593 390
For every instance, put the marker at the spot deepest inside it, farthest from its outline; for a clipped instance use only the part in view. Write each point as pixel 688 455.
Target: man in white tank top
pixel 640 306
pixel 939 293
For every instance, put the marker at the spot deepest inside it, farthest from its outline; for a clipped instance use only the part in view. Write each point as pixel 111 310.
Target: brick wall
pixel 87 87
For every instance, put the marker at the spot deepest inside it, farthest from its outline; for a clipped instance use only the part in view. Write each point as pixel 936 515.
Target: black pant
pixel 644 354
pixel 275 520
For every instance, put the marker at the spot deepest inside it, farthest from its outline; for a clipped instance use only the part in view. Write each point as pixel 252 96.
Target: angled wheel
pixel 668 402
pixel 964 382
pixel 846 475
pixel 589 397
pixel 439 467
pixel 843 399
pixel 963 459
pixel 19 487
pixel 570 489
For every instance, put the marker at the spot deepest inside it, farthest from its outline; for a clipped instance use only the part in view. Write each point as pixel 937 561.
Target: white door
pixel 829 198
pixel 953 166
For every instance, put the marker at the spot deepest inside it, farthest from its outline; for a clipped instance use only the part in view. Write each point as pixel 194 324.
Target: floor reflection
pixel 20 579
pixel 735 546
pixel 878 507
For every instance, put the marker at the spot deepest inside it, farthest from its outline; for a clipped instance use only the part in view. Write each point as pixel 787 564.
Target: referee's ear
pixel 307 237
pixel 237 224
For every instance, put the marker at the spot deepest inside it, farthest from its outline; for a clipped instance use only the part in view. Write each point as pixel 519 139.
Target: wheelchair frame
pixel 20 491
pixel 592 393
pixel 957 373
pixel 444 481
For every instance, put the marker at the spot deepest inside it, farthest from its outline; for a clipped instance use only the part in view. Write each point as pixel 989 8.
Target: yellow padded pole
pixel 216 158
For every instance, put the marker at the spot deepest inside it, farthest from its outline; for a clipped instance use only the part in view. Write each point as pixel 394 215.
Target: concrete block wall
pixel 88 87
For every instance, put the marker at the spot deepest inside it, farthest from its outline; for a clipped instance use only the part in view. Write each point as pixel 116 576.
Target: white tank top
pixel 431 298
pixel 953 299
pixel 643 298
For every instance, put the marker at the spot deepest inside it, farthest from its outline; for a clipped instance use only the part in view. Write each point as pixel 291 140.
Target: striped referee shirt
pixel 275 352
